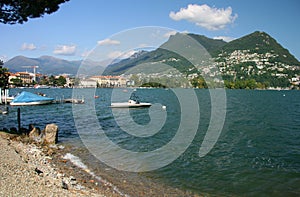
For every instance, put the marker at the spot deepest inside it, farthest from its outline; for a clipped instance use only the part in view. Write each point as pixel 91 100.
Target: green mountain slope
pixel 254 43
pixel 211 45
pixel 255 60
pixel 261 43
pixel 166 56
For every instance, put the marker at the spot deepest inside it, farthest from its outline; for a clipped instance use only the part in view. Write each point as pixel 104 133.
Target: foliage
pixel 19 11
pixel 241 84
pixel 4 76
pixel 44 81
pixel 199 82
pixel 258 83
pixel 17 82
pixel 60 81
pixel 153 84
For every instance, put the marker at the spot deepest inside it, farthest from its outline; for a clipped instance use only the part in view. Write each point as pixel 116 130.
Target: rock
pixel 30 127
pixel 38 171
pixel 72 178
pixel 34 133
pixel 13 130
pixel 50 152
pixel 51 134
pixel 64 185
pixel 24 131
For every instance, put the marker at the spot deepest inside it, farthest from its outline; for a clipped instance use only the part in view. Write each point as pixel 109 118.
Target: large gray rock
pixel 51 134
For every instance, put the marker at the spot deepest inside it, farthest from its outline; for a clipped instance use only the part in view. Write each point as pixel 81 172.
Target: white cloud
pixel 171 33
pixel 108 42
pixel 185 32
pixel 28 47
pixel 120 54
pixel 65 50
pixel 4 58
pixel 208 17
pixel 86 53
pixel 114 54
pixel 225 38
pixel 144 45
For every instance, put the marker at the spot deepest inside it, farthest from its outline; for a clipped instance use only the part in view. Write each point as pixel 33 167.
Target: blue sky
pixel 79 25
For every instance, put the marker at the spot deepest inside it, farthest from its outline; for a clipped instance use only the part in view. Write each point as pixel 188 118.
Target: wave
pixel 77 162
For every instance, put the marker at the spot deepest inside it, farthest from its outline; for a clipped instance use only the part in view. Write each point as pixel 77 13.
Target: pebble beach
pixel 29 170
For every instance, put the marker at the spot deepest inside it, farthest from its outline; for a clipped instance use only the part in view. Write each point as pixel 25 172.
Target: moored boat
pixel 129 104
pixel 133 102
pixel 41 87
pixel 28 98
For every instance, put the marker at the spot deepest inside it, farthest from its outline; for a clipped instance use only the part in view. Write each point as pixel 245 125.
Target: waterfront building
pixel 110 81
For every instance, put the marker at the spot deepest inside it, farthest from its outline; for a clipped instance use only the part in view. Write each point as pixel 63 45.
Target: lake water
pixel 257 153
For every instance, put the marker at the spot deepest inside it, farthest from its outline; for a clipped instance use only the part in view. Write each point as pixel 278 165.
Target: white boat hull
pixel 129 105
pixel 31 103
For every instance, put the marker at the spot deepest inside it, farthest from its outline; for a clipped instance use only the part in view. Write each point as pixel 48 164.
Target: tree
pixel 17 82
pixel 52 80
pixel 19 11
pixel 199 82
pixel 44 80
pixel 61 81
pixel 4 76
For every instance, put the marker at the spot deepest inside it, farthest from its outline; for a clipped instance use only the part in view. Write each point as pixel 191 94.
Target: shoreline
pixel 31 170
pixel 47 169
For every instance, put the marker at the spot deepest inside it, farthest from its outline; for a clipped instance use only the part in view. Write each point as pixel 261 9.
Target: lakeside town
pixel 254 64
pixel 27 79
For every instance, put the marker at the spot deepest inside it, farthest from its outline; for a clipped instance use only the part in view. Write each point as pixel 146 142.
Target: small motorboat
pixel 28 98
pixel 129 104
pixel 133 102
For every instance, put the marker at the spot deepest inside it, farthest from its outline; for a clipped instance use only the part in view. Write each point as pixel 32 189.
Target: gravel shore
pixel 25 170
pixel 28 169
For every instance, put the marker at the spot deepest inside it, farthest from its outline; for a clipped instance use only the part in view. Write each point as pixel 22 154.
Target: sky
pixel 80 25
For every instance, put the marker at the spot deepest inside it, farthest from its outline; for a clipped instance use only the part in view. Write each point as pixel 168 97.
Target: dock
pixel 5 98
pixel 70 100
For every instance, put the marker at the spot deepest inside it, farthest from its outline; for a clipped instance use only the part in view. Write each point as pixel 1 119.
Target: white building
pixel 88 83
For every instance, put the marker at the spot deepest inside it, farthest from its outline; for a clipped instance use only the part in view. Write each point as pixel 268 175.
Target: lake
pixel 256 154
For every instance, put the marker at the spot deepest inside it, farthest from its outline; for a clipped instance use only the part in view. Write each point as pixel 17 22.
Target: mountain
pixel 254 43
pixel 52 66
pixel 261 43
pixel 161 55
pixel 256 57
pixel 211 45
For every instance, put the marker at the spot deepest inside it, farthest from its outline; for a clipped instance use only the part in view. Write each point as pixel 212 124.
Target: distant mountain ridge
pixel 52 66
pixel 46 64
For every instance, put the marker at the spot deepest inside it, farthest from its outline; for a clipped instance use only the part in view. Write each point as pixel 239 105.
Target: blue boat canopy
pixel 27 97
